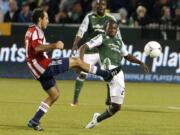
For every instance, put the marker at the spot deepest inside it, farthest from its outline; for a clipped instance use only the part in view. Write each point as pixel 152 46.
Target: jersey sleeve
pixel 96 41
pixel 83 27
pixel 124 50
pixel 36 40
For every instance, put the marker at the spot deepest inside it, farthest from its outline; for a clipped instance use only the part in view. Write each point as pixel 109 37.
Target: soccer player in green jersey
pixel 92 25
pixel 111 51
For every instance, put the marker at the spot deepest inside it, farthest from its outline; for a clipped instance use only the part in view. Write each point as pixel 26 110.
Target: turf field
pixel 149 109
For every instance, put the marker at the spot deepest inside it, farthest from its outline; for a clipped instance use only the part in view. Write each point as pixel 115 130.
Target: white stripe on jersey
pixel 26 46
pixel 45 55
pixel 40 33
pixel 33 71
pixel 84 26
pixel 27 36
pixel 37 66
pixel 35 35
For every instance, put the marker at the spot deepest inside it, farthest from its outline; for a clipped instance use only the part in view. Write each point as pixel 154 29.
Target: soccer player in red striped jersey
pixel 44 68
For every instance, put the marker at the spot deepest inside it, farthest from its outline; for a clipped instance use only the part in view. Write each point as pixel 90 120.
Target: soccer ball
pixel 153 49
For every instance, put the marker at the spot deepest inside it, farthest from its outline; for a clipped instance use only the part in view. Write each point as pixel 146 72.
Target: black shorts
pixel 56 67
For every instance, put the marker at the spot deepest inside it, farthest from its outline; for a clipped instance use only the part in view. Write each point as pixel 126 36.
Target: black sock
pixel 104 116
pixel 103 73
pixel 38 116
pixel 43 108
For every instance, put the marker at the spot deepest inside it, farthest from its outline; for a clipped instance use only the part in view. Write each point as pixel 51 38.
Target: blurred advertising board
pixel 165 68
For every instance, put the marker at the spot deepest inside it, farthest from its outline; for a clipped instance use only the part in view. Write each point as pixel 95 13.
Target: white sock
pixel 92 69
pixel 44 107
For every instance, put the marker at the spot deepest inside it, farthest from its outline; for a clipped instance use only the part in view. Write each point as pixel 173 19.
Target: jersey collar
pixel 101 16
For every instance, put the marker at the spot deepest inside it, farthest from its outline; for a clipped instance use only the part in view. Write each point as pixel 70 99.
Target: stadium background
pixel 148 109
pixel 162 69
pixel 140 21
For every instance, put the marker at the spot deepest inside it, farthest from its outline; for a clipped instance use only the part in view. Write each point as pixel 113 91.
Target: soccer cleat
pixel 74 104
pixel 93 122
pixel 34 125
pixel 112 73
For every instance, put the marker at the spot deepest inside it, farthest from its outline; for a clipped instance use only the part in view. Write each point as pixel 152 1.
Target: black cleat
pixel 34 125
pixel 112 73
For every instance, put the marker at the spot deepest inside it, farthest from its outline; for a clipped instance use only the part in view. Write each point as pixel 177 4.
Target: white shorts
pixel 91 58
pixel 117 88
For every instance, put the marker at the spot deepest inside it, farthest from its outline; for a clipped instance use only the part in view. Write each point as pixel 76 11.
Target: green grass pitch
pixel 149 109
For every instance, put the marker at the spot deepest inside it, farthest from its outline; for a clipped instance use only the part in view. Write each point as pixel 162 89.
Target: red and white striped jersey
pixel 37 62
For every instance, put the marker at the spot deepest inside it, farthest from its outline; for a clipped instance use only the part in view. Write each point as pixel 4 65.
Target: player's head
pixel 101 6
pixel 40 18
pixel 111 28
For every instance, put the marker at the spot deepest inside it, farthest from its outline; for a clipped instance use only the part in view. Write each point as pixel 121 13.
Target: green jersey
pixel 111 49
pixel 92 25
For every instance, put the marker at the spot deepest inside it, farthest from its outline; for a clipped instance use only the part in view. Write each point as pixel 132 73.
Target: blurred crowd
pixel 127 12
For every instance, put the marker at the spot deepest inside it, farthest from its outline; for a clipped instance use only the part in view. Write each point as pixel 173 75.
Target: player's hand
pixel 59 45
pixel 145 68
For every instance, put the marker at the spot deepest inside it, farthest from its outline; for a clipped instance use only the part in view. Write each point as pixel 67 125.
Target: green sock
pixel 77 90
pixel 104 116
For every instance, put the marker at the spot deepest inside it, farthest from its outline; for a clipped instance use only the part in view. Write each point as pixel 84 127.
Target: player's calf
pixel 114 108
pixel 54 98
pixel 97 118
pixel 111 110
pixel 78 86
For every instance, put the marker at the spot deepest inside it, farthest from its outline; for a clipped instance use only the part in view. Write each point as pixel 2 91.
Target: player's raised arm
pixel 50 47
pixel 133 59
pixel 94 42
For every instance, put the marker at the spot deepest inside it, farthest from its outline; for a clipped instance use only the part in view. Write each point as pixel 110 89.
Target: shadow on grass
pixel 9 127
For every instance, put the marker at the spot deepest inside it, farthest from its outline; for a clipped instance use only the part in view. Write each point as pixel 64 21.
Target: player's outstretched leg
pixel 53 93
pixel 106 74
pixel 78 86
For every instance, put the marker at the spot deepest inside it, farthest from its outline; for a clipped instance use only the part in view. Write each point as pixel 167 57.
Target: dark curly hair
pixel 37 13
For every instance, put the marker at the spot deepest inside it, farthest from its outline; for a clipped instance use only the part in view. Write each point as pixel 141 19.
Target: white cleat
pixel 93 122
pixel 74 105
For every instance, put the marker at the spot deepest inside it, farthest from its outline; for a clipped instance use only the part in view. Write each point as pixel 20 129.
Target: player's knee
pixel 55 97
pixel 77 61
pixel 114 108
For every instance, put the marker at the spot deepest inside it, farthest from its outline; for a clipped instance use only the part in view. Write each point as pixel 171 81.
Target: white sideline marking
pixel 174 107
